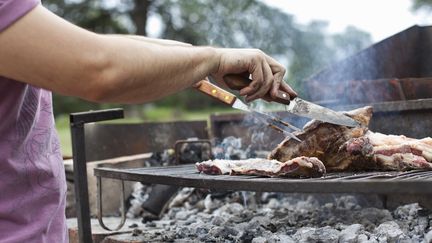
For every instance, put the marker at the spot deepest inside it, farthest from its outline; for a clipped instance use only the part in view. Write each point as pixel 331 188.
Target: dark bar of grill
pixel 371 182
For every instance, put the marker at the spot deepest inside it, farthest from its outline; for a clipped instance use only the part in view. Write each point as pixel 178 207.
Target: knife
pixel 230 99
pixel 308 109
pixel 297 105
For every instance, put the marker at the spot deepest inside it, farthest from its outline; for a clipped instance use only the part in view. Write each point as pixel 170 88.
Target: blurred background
pixel 304 35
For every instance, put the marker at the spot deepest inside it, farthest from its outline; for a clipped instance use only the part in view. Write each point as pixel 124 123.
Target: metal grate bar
pixel 413 174
pixel 367 182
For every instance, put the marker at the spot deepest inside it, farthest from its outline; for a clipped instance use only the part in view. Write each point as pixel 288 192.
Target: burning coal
pixel 272 217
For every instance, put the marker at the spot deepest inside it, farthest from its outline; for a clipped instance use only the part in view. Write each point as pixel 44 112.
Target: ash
pixel 275 217
pixel 231 148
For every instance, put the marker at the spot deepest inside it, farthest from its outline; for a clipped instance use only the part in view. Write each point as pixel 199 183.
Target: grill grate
pixel 412 182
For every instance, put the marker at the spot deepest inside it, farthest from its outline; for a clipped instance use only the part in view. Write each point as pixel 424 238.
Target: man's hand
pixel 267 74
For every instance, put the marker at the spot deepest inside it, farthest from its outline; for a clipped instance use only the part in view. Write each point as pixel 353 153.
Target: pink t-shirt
pixel 32 179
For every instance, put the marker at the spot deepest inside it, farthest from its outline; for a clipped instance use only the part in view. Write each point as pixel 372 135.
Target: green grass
pixel 62 126
pixel 151 114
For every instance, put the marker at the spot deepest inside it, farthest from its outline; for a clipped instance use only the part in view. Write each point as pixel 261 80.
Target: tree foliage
pixel 223 23
pixel 422 4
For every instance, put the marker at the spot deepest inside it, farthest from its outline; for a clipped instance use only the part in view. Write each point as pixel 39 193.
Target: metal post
pixel 77 121
pixel 80 182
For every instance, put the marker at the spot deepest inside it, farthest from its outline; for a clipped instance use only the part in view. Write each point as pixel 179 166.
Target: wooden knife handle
pixel 238 82
pixel 214 91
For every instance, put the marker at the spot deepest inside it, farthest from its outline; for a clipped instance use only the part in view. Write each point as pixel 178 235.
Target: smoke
pixel 386 75
pixel 370 76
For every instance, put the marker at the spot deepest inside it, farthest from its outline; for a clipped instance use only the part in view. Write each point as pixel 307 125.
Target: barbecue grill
pixel 411 182
pixel 404 101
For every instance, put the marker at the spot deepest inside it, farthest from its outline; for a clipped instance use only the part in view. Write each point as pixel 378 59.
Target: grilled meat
pixel 297 167
pixel 325 140
pixel 342 148
pixel 390 152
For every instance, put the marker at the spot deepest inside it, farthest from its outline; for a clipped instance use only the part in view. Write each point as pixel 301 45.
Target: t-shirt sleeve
pixel 12 10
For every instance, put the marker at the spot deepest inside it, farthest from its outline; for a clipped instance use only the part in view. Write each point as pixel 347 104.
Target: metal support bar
pixel 77 121
pixel 100 206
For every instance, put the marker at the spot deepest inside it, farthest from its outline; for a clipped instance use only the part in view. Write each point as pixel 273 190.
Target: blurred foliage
pixel 90 14
pixel 223 23
pixel 422 4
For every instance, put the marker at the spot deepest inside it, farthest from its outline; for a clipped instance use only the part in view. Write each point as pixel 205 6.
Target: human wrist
pixel 214 60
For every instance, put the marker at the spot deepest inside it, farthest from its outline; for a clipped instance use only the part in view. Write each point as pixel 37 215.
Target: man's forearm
pixel 138 72
pixel 152 40
pixel 43 50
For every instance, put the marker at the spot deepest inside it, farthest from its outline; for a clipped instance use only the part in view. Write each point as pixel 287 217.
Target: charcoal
pixel 273 203
pixel 231 148
pixel 428 237
pixel 151 224
pixel 194 152
pixel 136 232
pixel 407 212
pixel 247 236
pixel 133 225
pixel 389 232
pixel 182 232
pixel 234 208
pixel 201 231
pixel 351 234
pixel 182 215
pixel 259 240
pixel 223 232
pixel 310 234
pixel 279 238
pixel 361 238
pixel 218 221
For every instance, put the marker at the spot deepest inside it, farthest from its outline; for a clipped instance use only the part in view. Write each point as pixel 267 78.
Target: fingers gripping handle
pixel 238 82
pixel 214 91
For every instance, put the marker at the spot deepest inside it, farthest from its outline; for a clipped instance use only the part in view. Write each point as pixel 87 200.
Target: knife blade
pixel 297 105
pixel 308 109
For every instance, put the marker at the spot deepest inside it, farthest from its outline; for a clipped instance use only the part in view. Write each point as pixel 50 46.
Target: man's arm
pixel 44 50
pixel 163 42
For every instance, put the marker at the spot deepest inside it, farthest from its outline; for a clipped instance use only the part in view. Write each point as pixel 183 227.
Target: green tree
pixel 94 15
pixel 309 52
pixel 350 41
pixel 422 4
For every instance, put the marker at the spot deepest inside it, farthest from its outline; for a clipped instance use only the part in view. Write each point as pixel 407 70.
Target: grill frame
pixel 369 182
pixel 383 182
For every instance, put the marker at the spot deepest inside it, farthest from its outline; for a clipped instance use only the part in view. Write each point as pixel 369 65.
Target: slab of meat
pixel 390 152
pixel 297 167
pixel 353 149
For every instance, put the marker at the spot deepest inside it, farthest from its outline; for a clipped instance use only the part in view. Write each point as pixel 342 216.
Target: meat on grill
pixel 342 148
pixel 390 152
pixel 297 167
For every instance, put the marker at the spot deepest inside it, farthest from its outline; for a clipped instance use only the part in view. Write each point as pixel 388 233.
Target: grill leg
pixel 158 198
pixel 77 122
pixel 100 208
pixel 384 200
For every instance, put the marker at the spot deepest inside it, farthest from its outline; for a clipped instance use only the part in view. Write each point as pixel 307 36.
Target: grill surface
pixel 410 182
